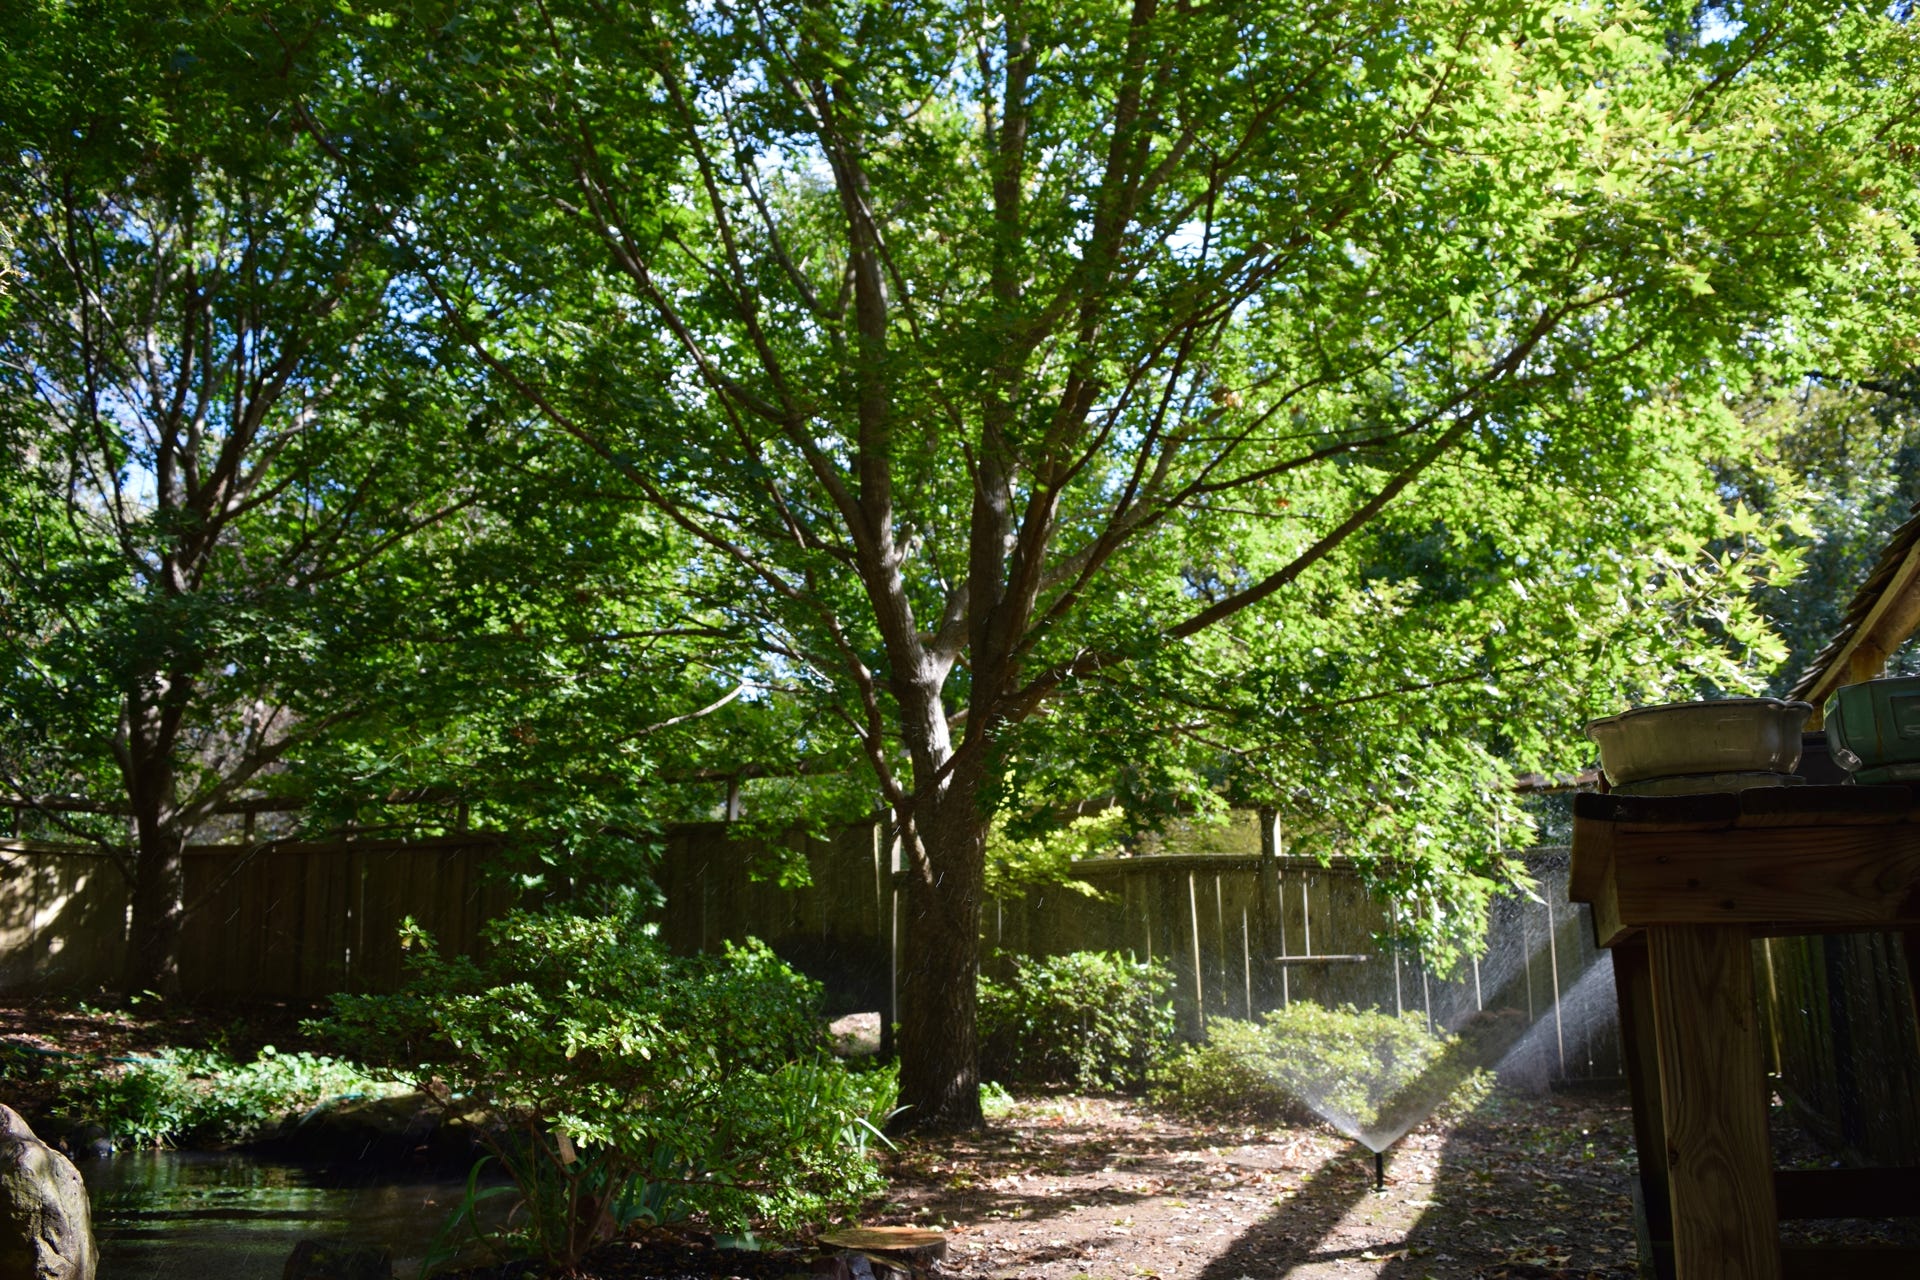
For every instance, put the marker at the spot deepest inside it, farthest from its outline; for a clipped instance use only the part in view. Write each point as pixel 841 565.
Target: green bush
pixel 1087 1020
pixel 202 1094
pixel 629 1083
pixel 1364 1071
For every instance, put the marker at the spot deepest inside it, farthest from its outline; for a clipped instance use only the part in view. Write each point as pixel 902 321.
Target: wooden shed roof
pixel 1883 613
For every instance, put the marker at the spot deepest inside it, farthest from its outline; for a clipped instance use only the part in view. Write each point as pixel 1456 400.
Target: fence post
pixel 1199 980
pixel 886 856
pixel 1267 942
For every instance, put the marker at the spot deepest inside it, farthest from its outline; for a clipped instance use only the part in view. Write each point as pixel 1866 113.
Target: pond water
pixel 188 1215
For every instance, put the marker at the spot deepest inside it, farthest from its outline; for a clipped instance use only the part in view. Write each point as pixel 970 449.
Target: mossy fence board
pixel 62 917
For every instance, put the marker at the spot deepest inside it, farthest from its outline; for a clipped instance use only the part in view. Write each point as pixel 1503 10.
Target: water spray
pixel 1375 1082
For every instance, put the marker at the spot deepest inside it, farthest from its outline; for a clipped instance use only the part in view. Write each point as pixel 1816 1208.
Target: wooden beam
pixel 1804 806
pixel 1710 1100
pixel 1868 1261
pixel 1292 960
pixel 1813 878
pixel 1847 1193
pixel 1867 660
pixel 1592 850
pixel 1633 990
pixel 1894 617
pixel 52 848
pixel 1608 927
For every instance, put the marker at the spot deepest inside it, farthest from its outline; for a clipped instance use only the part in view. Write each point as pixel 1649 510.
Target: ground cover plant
pixel 626 1085
pixel 202 1097
pixel 1086 1020
pixel 155 1073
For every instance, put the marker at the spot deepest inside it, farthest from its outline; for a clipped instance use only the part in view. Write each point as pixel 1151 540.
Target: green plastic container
pixel 1873 729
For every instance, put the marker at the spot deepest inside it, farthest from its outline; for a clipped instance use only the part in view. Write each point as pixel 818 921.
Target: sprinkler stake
pixel 1379 1171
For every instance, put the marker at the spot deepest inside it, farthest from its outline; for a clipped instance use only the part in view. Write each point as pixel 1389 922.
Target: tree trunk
pixel 940 970
pixel 159 883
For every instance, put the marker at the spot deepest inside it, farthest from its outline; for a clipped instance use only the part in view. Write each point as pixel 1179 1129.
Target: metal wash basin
pixel 1727 737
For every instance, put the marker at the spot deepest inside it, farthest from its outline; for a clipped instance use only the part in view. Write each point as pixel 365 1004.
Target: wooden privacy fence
pixel 1199 915
pixel 1840 1036
pixel 1195 912
pixel 304 920
pixel 837 927
pixel 290 920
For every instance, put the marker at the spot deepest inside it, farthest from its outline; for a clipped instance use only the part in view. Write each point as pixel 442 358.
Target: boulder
pixel 89 1142
pixel 334 1259
pixel 46 1223
pixel 408 1131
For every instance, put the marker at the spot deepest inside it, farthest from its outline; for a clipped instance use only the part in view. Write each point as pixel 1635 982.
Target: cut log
pixel 907 1244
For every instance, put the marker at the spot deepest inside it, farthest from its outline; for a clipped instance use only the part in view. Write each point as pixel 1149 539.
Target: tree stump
pixel 907 1246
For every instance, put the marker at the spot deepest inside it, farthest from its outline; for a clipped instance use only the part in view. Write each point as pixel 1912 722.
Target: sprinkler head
pixel 1379 1171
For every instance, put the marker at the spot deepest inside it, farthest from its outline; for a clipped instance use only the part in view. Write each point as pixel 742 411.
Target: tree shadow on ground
pixel 1528 1190
pixel 1298 1231
pixel 1008 1171
pixel 1519 1190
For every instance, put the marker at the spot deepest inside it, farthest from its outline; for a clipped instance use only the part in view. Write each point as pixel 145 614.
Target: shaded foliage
pixel 1085 1020
pixel 625 1082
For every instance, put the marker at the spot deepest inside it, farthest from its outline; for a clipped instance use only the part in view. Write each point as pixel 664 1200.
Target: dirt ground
pixel 1109 1189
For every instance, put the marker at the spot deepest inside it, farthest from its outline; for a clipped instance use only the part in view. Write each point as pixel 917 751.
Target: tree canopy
pixel 214 430
pixel 1312 401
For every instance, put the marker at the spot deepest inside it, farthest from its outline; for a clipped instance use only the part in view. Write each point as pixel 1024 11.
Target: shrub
pixel 1366 1072
pixel 202 1094
pixel 630 1083
pixel 1088 1020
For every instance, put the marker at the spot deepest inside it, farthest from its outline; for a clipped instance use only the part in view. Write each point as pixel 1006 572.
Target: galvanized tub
pixel 1724 736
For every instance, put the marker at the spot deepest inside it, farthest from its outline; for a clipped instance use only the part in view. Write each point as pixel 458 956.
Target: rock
pixel 89 1141
pixel 408 1131
pixel 334 1259
pixel 46 1222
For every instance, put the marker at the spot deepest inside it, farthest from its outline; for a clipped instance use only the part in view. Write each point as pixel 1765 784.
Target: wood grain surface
pixel 1718 1161
pixel 1812 877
